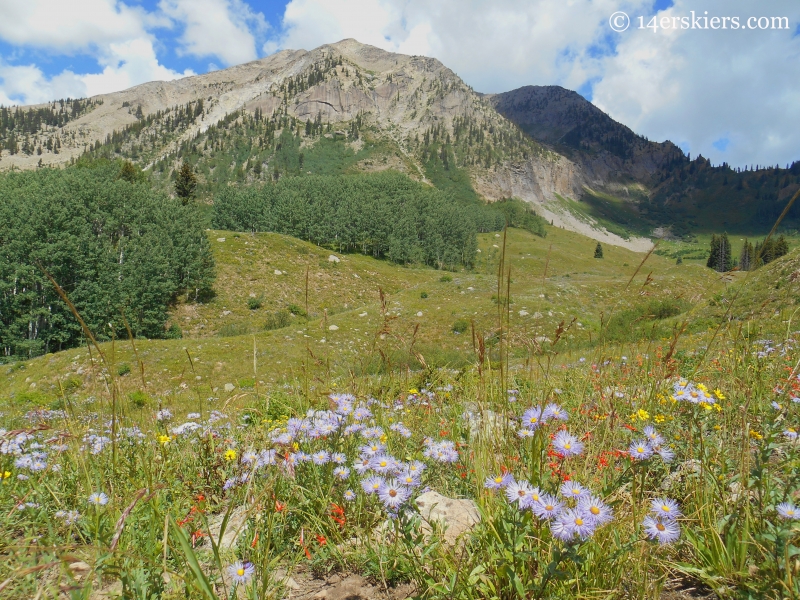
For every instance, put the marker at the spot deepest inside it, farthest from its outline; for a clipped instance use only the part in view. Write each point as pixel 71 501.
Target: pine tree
pixel 185 183
pixel 720 257
pixel 747 257
pixel 598 251
pixel 712 254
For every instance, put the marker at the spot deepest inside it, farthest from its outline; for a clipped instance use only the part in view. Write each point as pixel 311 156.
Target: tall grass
pixel 200 487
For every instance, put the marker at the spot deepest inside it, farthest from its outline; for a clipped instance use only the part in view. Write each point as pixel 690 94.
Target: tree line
pixel 385 214
pixel 121 250
pixel 751 257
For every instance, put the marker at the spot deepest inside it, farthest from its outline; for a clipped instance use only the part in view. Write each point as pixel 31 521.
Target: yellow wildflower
pixel 383 439
pixel 719 394
pixel 295 446
pixel 642 414
pixel 163 439
pixel 701 387
pixel 717 407
pixel 413 391
pixel 755 435
pixel 705 405
pixel 659 418
pixel 717 427
pixel 230 454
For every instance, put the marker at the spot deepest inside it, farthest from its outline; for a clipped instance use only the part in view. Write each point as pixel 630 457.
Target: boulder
pixel 455 516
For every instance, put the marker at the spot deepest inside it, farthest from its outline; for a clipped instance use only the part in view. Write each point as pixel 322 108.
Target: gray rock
pixel 455 516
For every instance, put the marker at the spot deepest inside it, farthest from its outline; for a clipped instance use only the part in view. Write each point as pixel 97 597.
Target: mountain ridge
pixel 546 145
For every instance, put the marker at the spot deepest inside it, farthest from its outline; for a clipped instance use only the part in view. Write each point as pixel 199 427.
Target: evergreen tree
pixel 720 257
pixel 747 257
pixel 598 251
pixel 185 183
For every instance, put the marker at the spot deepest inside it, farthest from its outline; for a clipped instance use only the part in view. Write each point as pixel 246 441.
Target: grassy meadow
pixel 625 427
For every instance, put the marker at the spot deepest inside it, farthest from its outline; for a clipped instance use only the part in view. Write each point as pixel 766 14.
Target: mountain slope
pixel 644 185
pixel 607 150
pixel 361 107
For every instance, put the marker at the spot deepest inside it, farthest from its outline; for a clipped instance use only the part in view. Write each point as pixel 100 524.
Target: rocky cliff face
pixel 406 100
pixel 607 151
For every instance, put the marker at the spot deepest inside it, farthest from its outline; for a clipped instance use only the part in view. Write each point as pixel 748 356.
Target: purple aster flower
pixel 665 508
pixel 567 444
pixel 241 572
pixel 362 465
pixel 640 450
pixel 518 491
pixel 653 437
pixel 339 458
pixel 561 530
pixel 665 531
pixel 596 510
pixel 371 485
pixel 341 472
pixel 547 507
pixel 321 457
pixel 554 411
pixel 372 433
pixel 787 510
pixel 98 499
pixel 665 453
pixel 532 418
pixel 372 449
pixel 580 524
pixel 392 494
pixel 498 482
pixel 383 463
pixel 409 478
pixel 573 489
pixel 361 413
pixel 349 495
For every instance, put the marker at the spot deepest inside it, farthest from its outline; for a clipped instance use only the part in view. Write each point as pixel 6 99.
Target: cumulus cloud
pixel 221 28
pixel 727 96
pixel 127 64
pixel 27 84
pixel 70 26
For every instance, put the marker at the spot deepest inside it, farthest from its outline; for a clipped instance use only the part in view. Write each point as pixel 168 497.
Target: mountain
pixel 607 150
pixel 645 185
pixel 349 107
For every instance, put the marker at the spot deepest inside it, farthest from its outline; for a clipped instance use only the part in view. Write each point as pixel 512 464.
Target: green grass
pixel 568 336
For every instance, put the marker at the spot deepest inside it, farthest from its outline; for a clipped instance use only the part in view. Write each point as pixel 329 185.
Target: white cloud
pixel 698 87
pixel 26 84
pixel 220 28
pixel 69 26
pixel 695 88
pixel 127 64
pixel 115 34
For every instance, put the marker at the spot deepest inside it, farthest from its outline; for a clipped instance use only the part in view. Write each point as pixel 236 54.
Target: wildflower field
pixel 664 467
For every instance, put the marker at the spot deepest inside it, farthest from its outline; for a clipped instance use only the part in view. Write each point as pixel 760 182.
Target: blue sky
pixel 729 95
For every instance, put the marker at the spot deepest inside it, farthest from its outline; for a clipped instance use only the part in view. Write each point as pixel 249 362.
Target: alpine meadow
pixel 332 324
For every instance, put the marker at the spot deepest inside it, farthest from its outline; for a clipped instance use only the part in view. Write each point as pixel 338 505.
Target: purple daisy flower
pixel 664 530
pixel 640 450
pixel 665 508
pixel 392 494
pixel 567 444
pixel 498 482
pixel 241 572
pixel 573 489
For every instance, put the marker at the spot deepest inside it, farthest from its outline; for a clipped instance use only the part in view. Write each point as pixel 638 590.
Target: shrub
pixel 277 320
pixel 254 303
pixel 423 295
pixel 232 329
pixel 123 369
pixel 446 278
pixel 460 325
pixel 139 399
pixel 173 332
